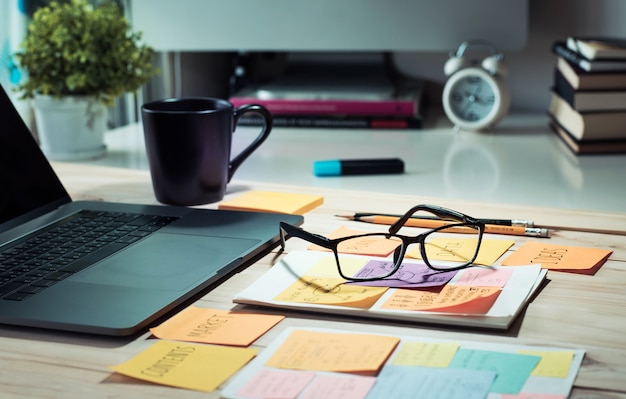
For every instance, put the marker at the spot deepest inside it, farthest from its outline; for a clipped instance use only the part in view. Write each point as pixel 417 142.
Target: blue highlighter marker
pixel 358 167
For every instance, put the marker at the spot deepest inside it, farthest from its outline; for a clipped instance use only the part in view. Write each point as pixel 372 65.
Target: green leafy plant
pixel 74 48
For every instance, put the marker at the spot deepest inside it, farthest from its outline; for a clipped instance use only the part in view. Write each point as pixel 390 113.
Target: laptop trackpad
pixel 167 261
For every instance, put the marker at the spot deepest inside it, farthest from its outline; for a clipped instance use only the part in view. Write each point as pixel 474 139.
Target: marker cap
pixel 327 168
pixel 358 167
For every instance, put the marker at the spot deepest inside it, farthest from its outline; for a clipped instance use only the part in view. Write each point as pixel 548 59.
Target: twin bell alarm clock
pixel 475 96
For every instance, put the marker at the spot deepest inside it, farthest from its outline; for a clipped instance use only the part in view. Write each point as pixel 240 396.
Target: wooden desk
pixel 577 311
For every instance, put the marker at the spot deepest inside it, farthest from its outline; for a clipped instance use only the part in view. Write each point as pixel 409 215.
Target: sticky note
pixel 344 386
pixel 462 249
pixel 422 382
pixel 272 383
pixel 185 365
pixel 327 266
pixel 273 202
pixel 554 364
pixel 451 299
pixel 368 245
pixel 512 369
pixel 558 257
pixel 213 326
pixel 292 384
pixel 425 354
pixel 337 352
pixel 484 277
pixel 408 275
pixel 330 291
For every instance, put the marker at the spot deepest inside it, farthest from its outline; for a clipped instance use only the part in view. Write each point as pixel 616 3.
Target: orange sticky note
pixel 370 246
pixel 330 291
pixel 274 202
pixel 451 299
pixel 214 326
pixel 558 257
pixel 322 351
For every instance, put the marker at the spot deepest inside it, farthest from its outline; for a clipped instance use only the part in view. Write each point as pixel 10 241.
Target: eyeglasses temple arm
pixel 440 212
pixel 287 231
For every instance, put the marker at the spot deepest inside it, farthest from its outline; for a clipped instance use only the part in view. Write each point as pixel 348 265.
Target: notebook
pixel 148 261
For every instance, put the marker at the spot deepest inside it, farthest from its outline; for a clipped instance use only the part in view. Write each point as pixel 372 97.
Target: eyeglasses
pixel 433 245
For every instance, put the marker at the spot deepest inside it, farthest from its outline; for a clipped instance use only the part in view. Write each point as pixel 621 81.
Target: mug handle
pixel 267 127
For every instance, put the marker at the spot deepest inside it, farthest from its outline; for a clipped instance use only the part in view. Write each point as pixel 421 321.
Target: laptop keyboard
pixel 57 252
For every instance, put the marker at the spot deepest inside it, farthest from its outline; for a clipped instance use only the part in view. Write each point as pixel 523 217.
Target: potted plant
pixel 78 58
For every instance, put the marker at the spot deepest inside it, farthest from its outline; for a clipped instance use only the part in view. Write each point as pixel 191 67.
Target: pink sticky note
pixel 326 386
pixel 484 277
pixel 270 383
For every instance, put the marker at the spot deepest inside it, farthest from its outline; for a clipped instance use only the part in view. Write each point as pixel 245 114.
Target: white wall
pixel 531 69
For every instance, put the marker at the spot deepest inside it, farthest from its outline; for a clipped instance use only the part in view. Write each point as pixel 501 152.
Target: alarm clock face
pixel 473 99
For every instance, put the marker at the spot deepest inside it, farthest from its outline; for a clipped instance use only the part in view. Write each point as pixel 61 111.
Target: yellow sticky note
pixel 330 291
pixel 213 326
pixel 552 364
pixel 184 365
pixel 558 257
pixel 425 354
pixel 462 249
pixel 273 202
pixel 322 351
pixel 451 299
pixel 327 266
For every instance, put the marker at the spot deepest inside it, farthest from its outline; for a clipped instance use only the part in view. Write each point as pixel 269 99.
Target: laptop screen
pixel 27 182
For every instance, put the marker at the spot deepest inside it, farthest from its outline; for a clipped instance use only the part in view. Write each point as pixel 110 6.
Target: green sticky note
pixel 512 369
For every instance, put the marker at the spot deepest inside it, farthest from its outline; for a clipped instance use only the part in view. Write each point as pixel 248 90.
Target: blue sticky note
pixel 512 369
pixel 409 382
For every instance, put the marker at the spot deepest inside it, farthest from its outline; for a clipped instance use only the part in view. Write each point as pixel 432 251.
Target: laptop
pixel 155 259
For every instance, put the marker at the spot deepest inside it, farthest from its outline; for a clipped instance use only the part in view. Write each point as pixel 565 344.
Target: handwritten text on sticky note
pixel 425 354
pixel 484 277
pixel 557 257
pixel 330 291
pixel 408 275
pixel 422 382
pixel 366 245
pixel 184 365
pixel 552 364
pixel 322 351
pixel 512 369
pixel 460 249
pixel 215 326
pixel 452 299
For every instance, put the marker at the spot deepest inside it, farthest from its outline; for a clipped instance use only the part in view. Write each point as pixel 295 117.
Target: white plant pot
pixel 70 128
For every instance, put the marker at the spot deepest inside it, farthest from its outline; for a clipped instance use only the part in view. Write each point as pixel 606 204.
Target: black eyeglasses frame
pixel 456 219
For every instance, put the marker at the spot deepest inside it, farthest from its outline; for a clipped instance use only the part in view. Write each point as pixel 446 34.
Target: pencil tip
pixel 349 217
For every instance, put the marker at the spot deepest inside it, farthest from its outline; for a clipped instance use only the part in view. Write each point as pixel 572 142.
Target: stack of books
pixel 588 106
pixel 336 97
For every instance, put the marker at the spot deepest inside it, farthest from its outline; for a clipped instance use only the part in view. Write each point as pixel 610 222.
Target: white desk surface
pixel 520 163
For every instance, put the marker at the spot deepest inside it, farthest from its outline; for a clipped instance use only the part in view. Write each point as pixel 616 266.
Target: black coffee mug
pixel 188 143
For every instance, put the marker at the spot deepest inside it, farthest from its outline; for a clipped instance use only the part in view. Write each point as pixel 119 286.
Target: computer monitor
pixel 329 25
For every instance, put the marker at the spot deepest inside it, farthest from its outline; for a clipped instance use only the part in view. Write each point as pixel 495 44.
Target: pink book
pixel 391 107
pixel 320 100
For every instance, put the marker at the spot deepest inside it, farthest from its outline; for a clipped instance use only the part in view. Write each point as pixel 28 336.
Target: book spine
pixel 323 121
pixel 333 107
pixel 561 50
pixel 564 89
